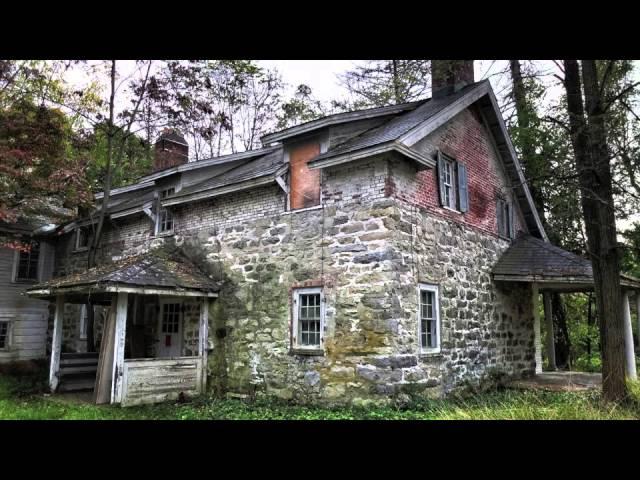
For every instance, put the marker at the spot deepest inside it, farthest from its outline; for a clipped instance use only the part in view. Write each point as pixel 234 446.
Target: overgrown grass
pixel 20 399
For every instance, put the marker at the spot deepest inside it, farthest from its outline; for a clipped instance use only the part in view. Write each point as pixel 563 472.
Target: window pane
pixel 4 331
pixel 309 319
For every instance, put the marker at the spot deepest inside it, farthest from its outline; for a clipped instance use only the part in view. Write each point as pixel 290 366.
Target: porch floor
pixel 560 382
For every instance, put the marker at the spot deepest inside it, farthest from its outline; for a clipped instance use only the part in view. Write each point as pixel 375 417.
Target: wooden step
pixel 64 356
pixel 74 384
pixel 65 371
pixel 78 361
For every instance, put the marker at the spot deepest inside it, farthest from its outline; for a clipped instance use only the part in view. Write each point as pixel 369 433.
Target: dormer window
pixel 164 220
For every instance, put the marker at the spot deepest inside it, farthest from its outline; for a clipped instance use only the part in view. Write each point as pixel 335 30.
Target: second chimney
pixel 171 149
pixel 449 76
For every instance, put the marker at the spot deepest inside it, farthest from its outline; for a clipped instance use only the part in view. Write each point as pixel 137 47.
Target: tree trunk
pixel 528 152
pixel 592 162
pixel 396 81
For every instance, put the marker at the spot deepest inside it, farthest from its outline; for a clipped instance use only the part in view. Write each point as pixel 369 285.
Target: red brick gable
pixel 465 139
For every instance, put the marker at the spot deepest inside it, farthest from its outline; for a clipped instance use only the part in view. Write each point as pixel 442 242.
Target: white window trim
pixel 295 330
pixel 83 322
pixel 453 202
pixel 7 346
pixel 436 305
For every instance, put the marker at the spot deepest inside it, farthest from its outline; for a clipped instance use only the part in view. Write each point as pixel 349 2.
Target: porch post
pixel 203 342
pixel 548 317
pixel 56 344
pixel 118 349
pixel 537 340
pixel 630 356
pixel 638 315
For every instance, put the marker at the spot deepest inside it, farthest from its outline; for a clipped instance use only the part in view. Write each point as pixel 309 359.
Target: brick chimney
pixel 171 149
pixel 449 76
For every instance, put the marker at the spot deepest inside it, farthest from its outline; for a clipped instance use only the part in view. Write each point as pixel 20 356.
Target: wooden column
pixel 56 344
pixel 118 350
pixel 629 354
pixel 548 319
pixel 537 335
pixel 203 340
pixel 104 376
pixel 638 316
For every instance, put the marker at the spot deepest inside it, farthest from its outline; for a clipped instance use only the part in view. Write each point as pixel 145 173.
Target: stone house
pixel 350 259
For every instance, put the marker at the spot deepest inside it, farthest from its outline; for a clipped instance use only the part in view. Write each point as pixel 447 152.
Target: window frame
pixel 451 163
pixel 165 212
pixel 296 343
pixel 7 336
pixel 78 248
pixel 504 207
pixel 435 290
pixel 16 265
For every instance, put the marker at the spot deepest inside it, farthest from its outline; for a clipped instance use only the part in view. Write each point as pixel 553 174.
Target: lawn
pixel 23 399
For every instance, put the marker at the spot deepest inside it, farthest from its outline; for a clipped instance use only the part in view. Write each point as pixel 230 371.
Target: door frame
pixel 164 301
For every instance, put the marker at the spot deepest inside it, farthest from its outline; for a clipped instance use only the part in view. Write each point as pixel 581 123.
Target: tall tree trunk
pixel 592 162
pixel 524 110
pixel 396 81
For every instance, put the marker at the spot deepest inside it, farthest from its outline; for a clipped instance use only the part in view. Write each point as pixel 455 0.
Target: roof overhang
pixel 214 192
pixel 336 119
pixel 563 282
pixel 394 146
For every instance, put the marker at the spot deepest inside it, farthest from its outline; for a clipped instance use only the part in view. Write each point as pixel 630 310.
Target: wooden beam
pixel 548 318
pixel 56 344
pixel 629 354
pixel 118 350
pixel 104 376
pixel 537 340
pixel 203 341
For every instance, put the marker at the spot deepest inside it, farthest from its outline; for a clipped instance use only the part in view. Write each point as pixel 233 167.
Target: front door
pixel 170 329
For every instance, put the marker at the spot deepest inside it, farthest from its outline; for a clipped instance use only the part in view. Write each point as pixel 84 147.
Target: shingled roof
pixel 530 259
pixel 157 270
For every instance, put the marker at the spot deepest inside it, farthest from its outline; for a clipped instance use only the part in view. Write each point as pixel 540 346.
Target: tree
pixel 589 139
pixel 386 82
pixel 302 107
pixel 533 143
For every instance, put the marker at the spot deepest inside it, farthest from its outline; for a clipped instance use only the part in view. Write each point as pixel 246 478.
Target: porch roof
pixel 156 272
pixel 530 259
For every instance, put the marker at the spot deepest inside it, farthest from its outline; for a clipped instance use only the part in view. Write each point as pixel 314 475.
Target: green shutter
pixel 500 216
pixel 512 229
pixel 463 191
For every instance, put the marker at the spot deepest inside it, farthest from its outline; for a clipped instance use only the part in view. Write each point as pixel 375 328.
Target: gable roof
pixel 260 170
pixel 403 131
pixel 156 269
pixel 338 118
pixel 531 259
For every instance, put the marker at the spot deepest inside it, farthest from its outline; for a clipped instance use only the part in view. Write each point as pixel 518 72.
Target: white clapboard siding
pixel 159 380
pixel 28 316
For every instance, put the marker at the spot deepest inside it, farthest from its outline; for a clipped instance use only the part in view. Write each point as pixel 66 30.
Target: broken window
pixel 4 335
pixel 308 318
pixel 429 316
pixel 28 262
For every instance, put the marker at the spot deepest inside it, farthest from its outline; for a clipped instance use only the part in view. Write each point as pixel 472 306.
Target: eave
pixel 393 146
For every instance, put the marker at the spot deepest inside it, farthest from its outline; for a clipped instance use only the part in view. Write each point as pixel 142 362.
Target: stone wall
pixel 368 246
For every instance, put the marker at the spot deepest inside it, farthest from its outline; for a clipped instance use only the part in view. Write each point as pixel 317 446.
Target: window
pixel 83 322
pixel 82 239
pixel 165 217
pixel 308 318
pixel 4 335
pixel 504 212
pixel 453 184
pixel 27 268
pixel 171 317
pixel 429 318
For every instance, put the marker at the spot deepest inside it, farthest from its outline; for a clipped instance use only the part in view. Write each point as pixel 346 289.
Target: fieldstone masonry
pixel 368 246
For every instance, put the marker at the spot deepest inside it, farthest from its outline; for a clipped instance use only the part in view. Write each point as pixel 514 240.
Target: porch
pixel 154 342
pixel 550 269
